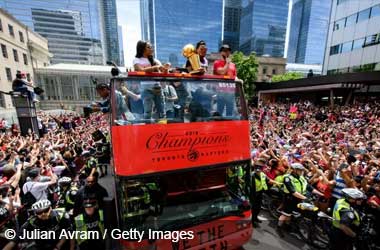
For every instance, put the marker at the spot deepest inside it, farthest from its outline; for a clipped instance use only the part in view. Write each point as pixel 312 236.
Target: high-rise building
pixel 353 43
pixel 121 46
pixel 171 24
pixel 231 26
pixel 78 31
pixel 111 31
pixel 308 31
pixel 263 27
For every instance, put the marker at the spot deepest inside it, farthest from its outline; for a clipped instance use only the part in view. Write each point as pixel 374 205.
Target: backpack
pixel 28 199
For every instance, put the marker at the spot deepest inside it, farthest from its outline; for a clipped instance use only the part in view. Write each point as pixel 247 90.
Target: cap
pixel 102 86
pixel 225 47
pixel 297 166
pixel 85 153
pixel 90 203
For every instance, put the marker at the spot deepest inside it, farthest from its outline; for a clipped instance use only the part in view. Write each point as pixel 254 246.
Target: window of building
pixel 351 20
pixel 372 40
pixel 21 36
pixel 364 15
pixel 341 1
pixel 8 72
pixel 346 47
pixel 335 49
pixel 1 26
pixel 2 100
pixel 11 31
pixel 25 59
pixel 339 24
pixel 15 55
pixel 273 71
pixel 264 71
pixel 375 11
pixel 4 51
pixel 358 43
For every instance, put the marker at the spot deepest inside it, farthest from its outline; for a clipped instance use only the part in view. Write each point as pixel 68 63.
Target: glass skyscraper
pixel 111 30
pixel 263 27
pixel 171 24
pixel 78 31
pixel 308 31
pixel 232 12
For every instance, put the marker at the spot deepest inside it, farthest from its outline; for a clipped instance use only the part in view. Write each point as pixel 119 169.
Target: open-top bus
pixel 181 165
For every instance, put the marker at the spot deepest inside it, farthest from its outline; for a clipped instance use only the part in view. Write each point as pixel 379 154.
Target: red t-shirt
pixel 231 72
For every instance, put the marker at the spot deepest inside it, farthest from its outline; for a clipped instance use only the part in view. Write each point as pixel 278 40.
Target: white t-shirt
pixel 38 189
pixel 144 62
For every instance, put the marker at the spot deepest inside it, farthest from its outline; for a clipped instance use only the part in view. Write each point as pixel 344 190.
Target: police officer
pixel 295 189
pixel 261 182
pixel 90 165
pixel 45 219
pixel 346 219
pixel 235 178
pixel 92 219
pixel 66 193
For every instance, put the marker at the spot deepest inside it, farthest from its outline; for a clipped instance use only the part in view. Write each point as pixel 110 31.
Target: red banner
pixel 146 149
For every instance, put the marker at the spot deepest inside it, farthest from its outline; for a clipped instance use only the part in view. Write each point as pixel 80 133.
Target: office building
pixel 353 43
pixel 171 24
pixel 121 46
pixel 308 31
pixel 268 67
pixel 111 31
pixel 231 25
pixel 21 50
pixel 263 27
pixel 78 31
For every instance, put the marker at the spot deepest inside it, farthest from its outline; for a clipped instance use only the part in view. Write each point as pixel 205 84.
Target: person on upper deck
pixel 144 60
pixel 201 49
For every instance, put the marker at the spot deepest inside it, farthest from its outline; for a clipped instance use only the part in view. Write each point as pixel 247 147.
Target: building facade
pixel 263 27
pixel 70 86
pixel 21 50
pixel 231 25
pixel 353 43
pixel 171 24
pixel 78 31
pixel 270 66
pixel 121 45
pixel 111 31
pixel 308 31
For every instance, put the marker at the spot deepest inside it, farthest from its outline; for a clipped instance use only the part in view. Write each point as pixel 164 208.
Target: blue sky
pixel 128 12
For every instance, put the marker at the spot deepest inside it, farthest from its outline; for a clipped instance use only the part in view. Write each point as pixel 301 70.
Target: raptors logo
pixel 193 155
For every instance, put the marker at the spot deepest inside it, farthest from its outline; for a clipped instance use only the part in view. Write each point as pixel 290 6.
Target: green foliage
pixel 246 67
pixel 287 76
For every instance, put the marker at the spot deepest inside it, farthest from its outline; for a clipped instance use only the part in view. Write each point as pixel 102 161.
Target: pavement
pixel 266 238
pixel 263 238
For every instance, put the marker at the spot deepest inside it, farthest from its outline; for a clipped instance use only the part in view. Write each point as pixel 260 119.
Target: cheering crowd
pixel 49 178
pixel 331 152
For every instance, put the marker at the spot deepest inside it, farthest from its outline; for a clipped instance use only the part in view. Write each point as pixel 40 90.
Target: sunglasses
pixel 45 211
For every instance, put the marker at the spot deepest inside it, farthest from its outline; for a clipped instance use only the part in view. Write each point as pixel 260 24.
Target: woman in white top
pixel 144 60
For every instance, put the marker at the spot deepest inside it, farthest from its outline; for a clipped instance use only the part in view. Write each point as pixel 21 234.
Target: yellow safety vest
pixel 299 184
pixel 261 183
pixel 81 225
pixel 67 196
pixel 279 179
pixel 343 204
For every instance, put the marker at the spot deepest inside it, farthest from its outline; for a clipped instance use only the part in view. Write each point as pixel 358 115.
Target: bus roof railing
pixel 168 76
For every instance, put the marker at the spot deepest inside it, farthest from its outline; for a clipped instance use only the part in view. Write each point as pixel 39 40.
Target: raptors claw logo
pixel 193 155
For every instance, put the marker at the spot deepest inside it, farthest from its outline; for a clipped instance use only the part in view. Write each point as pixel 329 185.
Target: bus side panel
pixel 153 148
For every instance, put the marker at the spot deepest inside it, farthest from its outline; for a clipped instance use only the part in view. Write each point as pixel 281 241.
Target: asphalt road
pixel 263 238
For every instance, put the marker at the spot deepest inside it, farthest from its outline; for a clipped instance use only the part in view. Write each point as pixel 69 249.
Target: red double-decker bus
pixel 181 157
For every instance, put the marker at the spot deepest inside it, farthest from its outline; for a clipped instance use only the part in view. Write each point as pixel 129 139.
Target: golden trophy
pixel 189 52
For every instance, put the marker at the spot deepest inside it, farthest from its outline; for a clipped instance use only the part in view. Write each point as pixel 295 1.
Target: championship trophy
pixel 189 52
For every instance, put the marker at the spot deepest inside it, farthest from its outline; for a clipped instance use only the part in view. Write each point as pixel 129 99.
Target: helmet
pixel 353 193
pixel 41 205
pixel 297 166
pixel 64 180
pixel 90 203
pixel 86 153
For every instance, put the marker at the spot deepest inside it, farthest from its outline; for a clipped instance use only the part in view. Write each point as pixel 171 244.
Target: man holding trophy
pixel 196 58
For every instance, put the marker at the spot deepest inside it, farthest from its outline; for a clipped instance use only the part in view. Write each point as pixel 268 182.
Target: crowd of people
pixel 50 180
pixel 333 153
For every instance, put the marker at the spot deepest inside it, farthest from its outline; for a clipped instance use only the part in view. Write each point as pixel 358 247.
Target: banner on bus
pixel 147 149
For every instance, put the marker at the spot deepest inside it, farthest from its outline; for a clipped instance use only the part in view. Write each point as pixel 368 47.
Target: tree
pixel 246 67
pixel 287 77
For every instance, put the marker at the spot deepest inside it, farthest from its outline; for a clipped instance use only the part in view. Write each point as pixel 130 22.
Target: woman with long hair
pixel 144 60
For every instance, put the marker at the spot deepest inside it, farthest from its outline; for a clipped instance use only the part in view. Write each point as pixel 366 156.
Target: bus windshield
pixel 175 101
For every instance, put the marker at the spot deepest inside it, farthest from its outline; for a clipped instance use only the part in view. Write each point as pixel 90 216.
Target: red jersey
pixel 231 72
